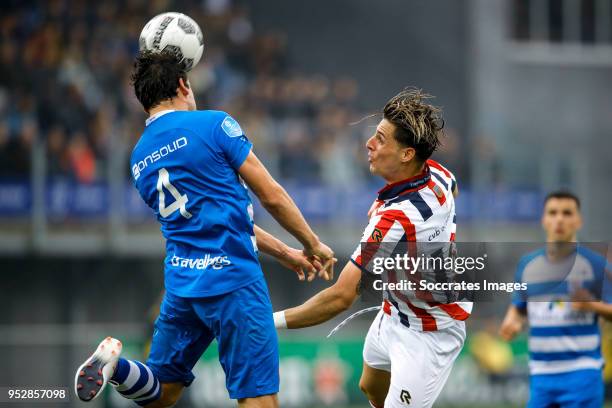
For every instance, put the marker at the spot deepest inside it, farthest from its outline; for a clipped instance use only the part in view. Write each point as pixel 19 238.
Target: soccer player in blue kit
pixel 192 167
pixel 565 362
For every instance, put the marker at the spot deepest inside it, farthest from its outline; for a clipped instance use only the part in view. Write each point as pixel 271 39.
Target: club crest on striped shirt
pixel 377 235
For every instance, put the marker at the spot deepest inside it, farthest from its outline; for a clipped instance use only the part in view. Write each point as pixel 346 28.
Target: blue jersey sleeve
pixel 232 141
pixel 602 272
pixel 519 299
pixel 606 291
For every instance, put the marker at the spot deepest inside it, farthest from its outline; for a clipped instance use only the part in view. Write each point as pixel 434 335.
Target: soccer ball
pixel 174 32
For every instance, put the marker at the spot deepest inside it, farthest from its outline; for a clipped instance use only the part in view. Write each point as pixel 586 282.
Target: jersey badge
pixel 231 127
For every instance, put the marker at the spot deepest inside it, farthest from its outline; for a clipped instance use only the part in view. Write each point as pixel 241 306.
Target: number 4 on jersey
pixel 180 200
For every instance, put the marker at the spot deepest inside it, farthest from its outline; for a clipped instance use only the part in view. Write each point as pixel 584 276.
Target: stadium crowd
pixel 64 81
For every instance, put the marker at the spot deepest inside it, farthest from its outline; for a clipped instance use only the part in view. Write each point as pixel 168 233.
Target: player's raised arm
pixel 326 304
pixel 603 309
pixel 584 301
pixel 279 204
pixel 513 323
pixel 291 258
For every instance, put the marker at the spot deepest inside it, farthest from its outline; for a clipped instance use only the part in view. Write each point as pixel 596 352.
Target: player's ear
pixel 408 154
pixel 183 87
pixel 543 219
pixel 579 226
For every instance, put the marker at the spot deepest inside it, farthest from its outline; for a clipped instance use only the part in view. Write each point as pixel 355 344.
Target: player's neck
pixel 166 106
pixel 552 240
pixel 409 172
pixel 557 251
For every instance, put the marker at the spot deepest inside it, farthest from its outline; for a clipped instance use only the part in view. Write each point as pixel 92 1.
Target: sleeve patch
pixel 377 235
pixel 231 127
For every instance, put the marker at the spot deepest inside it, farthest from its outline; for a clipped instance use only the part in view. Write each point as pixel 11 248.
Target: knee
pixel 169 396
pixel 167 400
pixel 364 387
pixel 373 397
pixel 266 401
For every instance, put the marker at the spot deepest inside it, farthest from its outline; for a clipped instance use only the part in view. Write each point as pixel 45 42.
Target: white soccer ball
pixel 174 32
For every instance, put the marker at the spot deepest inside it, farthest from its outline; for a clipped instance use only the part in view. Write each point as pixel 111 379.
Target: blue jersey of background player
pixel 189 167
pixel 563 280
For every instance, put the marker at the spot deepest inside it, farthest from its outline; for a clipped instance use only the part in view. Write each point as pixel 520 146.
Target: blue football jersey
pixel 185 168
pixel 562 339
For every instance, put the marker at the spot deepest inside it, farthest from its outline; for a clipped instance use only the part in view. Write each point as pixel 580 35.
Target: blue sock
pixel 136 381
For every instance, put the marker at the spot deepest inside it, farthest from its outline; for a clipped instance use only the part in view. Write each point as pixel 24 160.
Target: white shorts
pixel 419 362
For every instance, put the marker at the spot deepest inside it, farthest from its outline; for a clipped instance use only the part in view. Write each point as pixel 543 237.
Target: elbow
pixel 345 304
pixel 343 301
pixel 273 199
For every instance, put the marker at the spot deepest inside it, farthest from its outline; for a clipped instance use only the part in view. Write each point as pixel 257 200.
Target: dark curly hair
pixel 419 124
pixel 156 76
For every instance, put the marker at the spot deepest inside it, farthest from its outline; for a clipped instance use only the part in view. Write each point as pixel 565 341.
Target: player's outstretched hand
pixel 510 328
pixel 582 300
pixel 326 256
pixel 301 264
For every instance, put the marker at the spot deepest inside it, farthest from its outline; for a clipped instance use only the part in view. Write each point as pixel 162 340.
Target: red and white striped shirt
pixel 417 212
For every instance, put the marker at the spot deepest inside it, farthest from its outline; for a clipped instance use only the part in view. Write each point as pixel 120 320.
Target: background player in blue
pixel 188 166
pixel 564 342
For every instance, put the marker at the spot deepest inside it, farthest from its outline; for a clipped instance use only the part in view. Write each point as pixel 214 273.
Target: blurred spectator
pixel 5 165
pixel 57 157
pixel 82 159
pixel 64 76
pixel 16 148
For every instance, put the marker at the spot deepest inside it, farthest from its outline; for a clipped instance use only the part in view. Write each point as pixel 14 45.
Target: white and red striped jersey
pixel 417 212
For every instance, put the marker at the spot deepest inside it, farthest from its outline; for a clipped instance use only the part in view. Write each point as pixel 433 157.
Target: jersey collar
pixel 405 186
pixel 158 115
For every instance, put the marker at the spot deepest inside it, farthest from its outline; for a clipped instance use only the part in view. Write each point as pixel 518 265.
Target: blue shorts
pixel 242 323
pixel 575 389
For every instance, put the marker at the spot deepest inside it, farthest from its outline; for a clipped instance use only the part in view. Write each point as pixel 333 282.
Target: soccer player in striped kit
pixel 412 344
pixel 565 362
